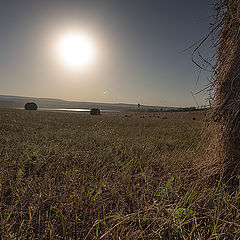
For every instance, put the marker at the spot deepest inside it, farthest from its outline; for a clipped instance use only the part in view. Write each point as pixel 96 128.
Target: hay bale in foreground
pixel 31 106
pixel 95 111
pixel 224 116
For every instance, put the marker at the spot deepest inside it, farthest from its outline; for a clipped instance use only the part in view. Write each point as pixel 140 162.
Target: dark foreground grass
pixel 73 176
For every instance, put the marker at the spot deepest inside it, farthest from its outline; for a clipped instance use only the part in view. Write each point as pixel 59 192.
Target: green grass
pixel 76 176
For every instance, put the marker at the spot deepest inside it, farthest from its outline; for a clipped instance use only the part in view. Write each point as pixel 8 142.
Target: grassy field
pixel 76 176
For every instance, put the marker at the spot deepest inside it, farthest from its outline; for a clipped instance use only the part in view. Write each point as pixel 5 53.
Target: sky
pixel 138 50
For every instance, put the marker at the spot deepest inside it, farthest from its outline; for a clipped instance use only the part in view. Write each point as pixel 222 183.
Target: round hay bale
pixel 224 117
pixel 95 111
pixel 31 106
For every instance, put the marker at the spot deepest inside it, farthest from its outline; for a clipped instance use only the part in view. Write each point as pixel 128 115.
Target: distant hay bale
pixel 95 111
pixel 224 117
pixel 31 106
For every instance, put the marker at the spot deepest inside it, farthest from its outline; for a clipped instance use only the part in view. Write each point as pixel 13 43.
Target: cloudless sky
pixel 138 50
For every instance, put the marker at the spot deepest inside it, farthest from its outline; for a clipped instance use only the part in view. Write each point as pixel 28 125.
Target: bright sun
pixel 76 50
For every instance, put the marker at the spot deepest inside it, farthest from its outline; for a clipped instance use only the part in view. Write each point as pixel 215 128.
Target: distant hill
pixel 7 101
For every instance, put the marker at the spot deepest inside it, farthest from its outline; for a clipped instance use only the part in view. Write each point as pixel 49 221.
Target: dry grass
pixel 73 176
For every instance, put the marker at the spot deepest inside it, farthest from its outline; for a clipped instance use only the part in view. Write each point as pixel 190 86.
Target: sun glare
pixel 76 50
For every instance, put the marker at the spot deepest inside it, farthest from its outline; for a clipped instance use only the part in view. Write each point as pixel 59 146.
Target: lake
pixel 72 110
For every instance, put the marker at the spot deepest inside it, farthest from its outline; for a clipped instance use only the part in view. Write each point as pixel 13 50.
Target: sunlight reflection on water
pixel 71 110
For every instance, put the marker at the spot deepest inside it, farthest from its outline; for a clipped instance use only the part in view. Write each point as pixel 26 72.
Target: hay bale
pixel 224 117
pixel 95 111
pixel 31 106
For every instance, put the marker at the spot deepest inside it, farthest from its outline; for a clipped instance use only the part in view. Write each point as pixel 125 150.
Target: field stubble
pixel 76 176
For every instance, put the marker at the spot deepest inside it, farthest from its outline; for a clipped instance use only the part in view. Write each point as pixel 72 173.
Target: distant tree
pixel 31 106
pixel 192 109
